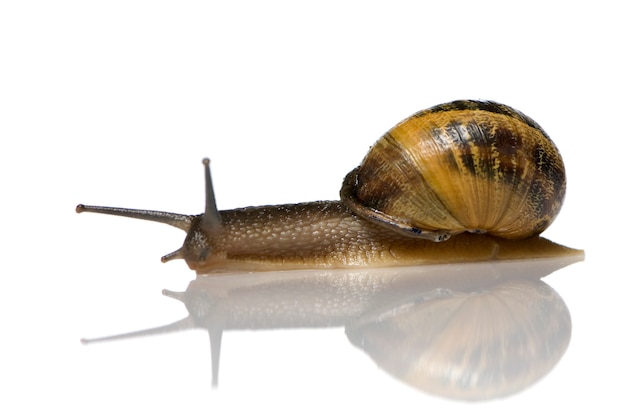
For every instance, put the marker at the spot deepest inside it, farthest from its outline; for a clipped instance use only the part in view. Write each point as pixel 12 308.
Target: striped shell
pixel 475 166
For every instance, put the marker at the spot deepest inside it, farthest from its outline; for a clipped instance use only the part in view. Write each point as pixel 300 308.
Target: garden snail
pixel 480 171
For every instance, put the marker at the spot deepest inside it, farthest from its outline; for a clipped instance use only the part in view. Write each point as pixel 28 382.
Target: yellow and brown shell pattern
pixel 475 166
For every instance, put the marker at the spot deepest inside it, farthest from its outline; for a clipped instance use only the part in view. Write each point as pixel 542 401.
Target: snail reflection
pixel 469 331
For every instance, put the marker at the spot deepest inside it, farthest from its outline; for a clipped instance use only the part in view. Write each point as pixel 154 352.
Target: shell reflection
pixel 470 345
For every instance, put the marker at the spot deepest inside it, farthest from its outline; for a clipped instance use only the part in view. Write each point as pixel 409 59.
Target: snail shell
pixel 475 166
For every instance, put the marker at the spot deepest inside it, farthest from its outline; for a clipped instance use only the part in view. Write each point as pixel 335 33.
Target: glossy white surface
pixel 117 103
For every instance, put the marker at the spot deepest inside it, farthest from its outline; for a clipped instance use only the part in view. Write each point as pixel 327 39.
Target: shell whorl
pixel 475 166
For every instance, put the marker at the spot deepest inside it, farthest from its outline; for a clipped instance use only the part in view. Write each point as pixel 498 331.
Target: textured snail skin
pixel 327 234
pixel 472 166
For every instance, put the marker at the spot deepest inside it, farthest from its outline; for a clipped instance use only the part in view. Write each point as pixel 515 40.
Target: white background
pixel 117 102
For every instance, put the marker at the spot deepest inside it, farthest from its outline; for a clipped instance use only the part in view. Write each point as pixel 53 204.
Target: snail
pixel 457 182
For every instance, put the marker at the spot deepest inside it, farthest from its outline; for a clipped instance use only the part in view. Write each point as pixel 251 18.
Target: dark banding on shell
pixel 476 166
pixel 484 105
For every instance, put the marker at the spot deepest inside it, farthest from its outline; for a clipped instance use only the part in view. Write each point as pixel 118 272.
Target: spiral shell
pixel 475 166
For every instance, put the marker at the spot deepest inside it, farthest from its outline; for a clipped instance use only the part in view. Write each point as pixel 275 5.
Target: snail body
pixel 476 170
